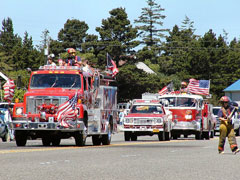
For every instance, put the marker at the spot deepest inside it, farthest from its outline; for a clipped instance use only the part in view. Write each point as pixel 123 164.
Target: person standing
pixel 183 88
pixel 50 60
pixel 73 59
pixel 226 126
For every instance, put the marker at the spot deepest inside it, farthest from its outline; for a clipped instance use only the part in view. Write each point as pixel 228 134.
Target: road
pixel 147 158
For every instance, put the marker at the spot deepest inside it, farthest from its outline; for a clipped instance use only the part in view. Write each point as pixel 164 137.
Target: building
pixel 233 91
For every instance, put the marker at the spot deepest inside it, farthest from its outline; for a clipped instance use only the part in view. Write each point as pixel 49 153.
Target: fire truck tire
pixel 79 139
pixel 46 141
pixel 212 134
pixel 167 136
pixel 185 136
pixel 161 136
pixel 56 141
pixel 127 135
pixel 133 137
pixel 175 136
pixel 198 135
pixel 207 135
pixel 21 138
pixel 106 139
pixel 96 140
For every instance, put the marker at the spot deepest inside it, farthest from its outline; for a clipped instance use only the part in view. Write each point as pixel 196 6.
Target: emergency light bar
pixel 49 67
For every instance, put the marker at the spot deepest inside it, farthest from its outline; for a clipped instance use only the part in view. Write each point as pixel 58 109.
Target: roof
pixel 234 87
pixel 144 67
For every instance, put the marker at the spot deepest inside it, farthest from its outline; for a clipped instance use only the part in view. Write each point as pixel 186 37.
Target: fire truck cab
pixel 95 110
pixel 147 117
pixel 191 115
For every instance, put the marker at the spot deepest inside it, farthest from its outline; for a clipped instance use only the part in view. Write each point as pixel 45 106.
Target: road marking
pixel 76 147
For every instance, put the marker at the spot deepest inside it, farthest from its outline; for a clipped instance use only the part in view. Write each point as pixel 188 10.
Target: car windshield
pixel 181 101
pixel 155 109
pixel 39 81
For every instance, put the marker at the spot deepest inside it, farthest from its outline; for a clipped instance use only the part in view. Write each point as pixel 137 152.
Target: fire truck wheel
pixel 21 138
pixel 106 139
pixel 207 135
pixel 56 141
pixel 127 135
pixel 175 136
pixel 46 141
pixel 167 136
pixel 198 135
pixel 161 136
pixel 133 137
pixel 79 139
pixel 212 134
pixel 96 140
pixel 185 136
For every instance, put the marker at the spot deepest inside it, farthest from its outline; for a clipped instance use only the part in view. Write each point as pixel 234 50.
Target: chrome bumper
pixel 35 126
pixel 194 125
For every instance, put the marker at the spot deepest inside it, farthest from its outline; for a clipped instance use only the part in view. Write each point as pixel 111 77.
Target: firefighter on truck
pixel 63 102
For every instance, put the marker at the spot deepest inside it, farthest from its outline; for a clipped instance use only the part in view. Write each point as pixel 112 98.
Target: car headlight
pixel 19 111
pixel 128 120
pixel 159 120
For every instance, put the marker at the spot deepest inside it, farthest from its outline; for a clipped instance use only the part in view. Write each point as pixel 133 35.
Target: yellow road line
pixel 75 147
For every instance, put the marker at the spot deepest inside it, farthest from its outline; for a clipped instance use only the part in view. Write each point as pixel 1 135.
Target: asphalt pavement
pixel 147 158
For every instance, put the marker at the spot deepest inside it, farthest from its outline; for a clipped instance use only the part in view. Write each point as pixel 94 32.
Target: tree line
pixel 175 55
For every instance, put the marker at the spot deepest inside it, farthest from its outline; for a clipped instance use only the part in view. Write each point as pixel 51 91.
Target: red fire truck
pixel 147 117
pixel 191 115
pixel 51 89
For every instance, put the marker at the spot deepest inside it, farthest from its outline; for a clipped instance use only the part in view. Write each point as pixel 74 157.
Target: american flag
pixel 163 91
pixel 66 111
pixel 9 87
pixel 112 66
pixel 166 89
pixel 199 86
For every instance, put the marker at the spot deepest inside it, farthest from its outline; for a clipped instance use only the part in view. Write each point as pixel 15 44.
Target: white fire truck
pixel 147 117
pixel 191 115
pixel 49 88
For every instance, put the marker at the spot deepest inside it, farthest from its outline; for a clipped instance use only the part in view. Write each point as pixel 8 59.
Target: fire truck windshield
pixel 155 109
pixel 181 101
pixel 39 81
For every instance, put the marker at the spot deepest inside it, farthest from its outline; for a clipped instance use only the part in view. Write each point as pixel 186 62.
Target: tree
pixel 150 22
pixel 73 34
pixel 117 36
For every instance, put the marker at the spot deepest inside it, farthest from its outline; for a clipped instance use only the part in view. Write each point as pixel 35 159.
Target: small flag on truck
pixel 66 111
pixel 9 87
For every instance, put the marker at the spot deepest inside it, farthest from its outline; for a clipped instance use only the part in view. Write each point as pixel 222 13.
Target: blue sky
pixel 34 16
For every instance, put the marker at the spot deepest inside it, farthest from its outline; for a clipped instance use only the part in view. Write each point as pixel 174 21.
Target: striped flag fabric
pixel 166 89
pixel 199 86
pixel 66 111
pixel 112 66
pixel 9 87
pixel 163 91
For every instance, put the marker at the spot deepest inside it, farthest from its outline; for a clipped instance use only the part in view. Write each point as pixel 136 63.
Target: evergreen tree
pixel 117 36
pixel 151 21
pixel 73 34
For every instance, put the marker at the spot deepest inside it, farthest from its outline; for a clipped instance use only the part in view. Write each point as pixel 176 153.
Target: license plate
pixel 142 128
pixel 51 119
pixel 155 130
